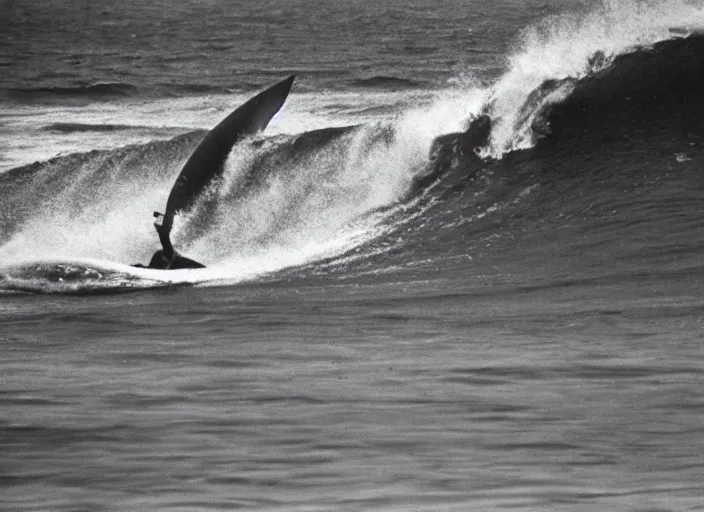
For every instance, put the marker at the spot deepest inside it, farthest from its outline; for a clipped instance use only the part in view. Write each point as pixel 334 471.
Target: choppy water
pixel 397 315
pixel 191 46
pixel 354 398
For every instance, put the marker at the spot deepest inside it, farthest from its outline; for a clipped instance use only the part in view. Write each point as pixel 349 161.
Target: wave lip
pixel 643 91
pixel 573 46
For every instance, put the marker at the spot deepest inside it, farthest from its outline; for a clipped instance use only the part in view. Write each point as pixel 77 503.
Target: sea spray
pixel 570 46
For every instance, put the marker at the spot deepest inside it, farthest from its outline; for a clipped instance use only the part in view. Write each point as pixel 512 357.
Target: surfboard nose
pixel 283 87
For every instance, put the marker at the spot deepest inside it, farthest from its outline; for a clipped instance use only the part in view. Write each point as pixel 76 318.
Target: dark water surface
pixel 359 397
pixel 192 46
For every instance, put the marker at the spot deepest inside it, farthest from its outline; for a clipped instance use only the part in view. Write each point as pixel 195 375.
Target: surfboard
pixel 208 159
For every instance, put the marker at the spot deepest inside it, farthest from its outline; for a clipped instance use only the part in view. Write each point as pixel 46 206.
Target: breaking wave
pixel 554 164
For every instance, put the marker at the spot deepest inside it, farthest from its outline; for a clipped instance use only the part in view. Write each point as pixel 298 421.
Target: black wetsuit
pixel 167 258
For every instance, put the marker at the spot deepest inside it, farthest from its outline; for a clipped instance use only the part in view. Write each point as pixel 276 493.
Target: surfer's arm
pixel 163 230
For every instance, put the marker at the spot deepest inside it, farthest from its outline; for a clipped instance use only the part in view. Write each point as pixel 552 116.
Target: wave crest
pixel 567 48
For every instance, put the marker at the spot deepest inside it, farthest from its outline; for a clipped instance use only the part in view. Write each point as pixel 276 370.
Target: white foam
pixel 321 205
pixel 312 207
pixel 560 47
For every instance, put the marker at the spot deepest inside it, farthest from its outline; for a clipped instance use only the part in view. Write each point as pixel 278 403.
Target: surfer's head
pixel 159 219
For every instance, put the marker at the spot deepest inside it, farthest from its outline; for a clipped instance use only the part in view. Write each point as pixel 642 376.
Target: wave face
pixel 592 175
pixel 283 201
pixel 613 184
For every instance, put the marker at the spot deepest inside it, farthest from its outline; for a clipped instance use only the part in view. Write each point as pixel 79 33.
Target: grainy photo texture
pixel 346 256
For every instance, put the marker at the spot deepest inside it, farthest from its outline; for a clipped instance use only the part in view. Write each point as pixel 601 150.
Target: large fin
pixel 208 159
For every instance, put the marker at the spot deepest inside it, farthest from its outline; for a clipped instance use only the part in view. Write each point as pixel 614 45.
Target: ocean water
pixel 461 269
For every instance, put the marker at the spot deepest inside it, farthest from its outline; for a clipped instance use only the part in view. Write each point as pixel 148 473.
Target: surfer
pixel 207 162
pixel 167 258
